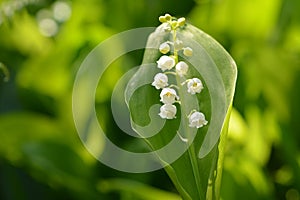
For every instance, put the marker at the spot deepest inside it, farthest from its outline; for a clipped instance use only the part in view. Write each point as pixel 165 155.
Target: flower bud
pixel 162 19
pixel 168 17
pixel 181 21
pixel 174 24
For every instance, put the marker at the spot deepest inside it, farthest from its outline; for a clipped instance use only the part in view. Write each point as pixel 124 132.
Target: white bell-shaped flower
pixel 166 63
pixel 160 81
pixel 194 86
pixel 197 119
pixel 167 111
pixel 168 96
pixel 164 48
pixel 181 68
pixel 187 51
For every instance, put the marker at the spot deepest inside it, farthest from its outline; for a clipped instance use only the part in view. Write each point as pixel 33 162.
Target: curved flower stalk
pixel 188 94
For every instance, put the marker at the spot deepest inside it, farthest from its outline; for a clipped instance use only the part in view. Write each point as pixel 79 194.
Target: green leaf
pixel 195 167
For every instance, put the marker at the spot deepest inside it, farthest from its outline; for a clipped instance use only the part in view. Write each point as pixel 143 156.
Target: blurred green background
pixel 42 44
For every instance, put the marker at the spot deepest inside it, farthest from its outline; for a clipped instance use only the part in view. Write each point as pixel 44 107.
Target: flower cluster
pixel 169 64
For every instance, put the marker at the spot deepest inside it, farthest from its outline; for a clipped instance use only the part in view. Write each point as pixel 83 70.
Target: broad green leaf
pixel 195 166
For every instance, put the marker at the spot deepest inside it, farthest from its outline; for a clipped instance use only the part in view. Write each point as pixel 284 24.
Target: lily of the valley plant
pixel 189 99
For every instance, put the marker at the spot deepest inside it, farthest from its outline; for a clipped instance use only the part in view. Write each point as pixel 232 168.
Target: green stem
pixel 191 148
pixel 195 167
pixel 175 50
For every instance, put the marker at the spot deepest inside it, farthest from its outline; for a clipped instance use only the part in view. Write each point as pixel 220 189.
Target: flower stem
pixel 191 148
pixel 175 50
